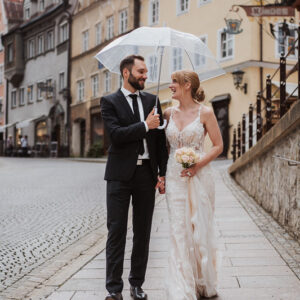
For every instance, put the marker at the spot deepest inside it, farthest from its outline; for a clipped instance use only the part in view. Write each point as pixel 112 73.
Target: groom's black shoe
pixel 114 296
pixel 137 293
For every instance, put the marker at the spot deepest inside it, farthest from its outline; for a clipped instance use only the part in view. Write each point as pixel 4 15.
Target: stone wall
pixel 272 182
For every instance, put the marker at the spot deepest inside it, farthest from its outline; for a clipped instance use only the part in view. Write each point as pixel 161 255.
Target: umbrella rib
pixel 159 72
pixel 190 60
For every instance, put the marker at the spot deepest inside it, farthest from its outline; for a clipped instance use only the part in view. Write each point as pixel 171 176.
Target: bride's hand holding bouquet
pixel 189 160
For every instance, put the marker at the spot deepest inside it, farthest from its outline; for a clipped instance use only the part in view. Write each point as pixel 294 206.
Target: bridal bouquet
pixel 186 156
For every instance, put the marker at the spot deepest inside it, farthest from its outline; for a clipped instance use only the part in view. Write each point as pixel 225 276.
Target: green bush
pixel 95 150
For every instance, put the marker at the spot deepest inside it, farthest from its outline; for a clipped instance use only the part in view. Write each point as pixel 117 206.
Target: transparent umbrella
pixel 165 50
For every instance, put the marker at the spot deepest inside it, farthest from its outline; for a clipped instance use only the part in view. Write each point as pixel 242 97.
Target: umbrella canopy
pixel 175 50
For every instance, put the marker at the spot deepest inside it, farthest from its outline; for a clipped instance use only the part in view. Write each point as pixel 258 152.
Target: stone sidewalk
pixel 252 268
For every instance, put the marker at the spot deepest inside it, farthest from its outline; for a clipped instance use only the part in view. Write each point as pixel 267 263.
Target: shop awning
pixel 3 127
pixel 26 123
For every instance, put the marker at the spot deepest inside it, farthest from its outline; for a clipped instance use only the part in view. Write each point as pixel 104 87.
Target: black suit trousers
pixel 141 189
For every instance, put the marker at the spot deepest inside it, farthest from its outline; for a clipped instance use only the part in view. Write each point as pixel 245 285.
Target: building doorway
pixel 56 139
pixel 82 137
pixel 220 105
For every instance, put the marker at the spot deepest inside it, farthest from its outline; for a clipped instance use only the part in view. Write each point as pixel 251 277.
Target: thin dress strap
pixel 171 114
pixel 200 108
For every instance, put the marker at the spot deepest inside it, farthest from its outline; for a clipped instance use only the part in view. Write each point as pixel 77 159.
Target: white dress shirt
pixel 141 111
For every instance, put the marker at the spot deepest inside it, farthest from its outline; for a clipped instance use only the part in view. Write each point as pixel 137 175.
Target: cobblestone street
pixel 45 205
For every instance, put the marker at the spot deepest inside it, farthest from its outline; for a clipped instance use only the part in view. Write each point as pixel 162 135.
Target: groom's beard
pixel 136 83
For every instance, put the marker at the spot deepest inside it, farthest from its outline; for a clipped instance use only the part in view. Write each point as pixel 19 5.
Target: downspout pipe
pixel 68 98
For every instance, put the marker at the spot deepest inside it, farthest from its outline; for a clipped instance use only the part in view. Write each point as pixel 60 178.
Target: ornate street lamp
pixel 238 79
pixel 233 21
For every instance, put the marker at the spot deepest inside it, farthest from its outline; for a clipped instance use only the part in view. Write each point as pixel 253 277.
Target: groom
pixel 136 165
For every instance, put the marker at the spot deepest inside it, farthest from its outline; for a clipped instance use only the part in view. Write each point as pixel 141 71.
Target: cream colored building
pixel 205 19
pixel 95 24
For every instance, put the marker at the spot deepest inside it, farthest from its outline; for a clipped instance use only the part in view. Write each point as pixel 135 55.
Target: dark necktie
pixel 137 118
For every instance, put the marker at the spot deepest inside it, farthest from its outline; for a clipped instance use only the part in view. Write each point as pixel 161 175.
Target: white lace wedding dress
pixel 192 250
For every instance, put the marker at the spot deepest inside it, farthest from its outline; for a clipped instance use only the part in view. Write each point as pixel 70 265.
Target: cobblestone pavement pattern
pixel 45 206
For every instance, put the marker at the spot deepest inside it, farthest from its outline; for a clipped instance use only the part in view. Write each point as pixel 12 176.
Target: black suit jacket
pixel 125 134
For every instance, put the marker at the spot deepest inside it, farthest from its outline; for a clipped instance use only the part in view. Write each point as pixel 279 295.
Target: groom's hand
pixel 152 120
pixel 161 185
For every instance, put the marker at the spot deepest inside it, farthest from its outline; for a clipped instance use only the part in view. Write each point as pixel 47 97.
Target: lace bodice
pixel 192 135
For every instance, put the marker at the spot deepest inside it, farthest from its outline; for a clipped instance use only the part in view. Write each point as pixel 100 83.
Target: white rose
pixel 185 158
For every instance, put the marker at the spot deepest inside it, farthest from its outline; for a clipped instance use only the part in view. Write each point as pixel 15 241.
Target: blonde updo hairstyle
pixel 183 77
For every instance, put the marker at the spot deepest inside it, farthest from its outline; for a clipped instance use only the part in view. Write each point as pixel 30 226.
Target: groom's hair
pixel 128 62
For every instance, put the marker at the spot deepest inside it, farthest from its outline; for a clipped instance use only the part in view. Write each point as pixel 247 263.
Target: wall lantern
pixel 66 93
pixel 233 21
pixel 238 79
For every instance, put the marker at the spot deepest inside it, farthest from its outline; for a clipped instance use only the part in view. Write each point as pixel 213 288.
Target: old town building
pixel 254 51
pixel 11 12
pixel 37 71
pixel 95 24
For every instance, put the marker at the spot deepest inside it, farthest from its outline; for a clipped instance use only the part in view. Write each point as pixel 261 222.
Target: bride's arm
pixel 209 120
pixel 167 114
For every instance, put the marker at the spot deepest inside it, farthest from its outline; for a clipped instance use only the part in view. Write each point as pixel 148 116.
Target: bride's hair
pixel 189 76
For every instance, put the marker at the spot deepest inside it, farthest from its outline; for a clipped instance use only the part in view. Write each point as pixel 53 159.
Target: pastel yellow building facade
pixel 205 19
pixel 97 23
pixel 94 25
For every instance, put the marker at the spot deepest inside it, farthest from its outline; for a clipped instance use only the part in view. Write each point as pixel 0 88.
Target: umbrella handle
pixel 165 121
pixel 163 125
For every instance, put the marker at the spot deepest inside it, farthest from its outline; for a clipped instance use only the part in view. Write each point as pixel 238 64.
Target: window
pixel 98 34
pixel 80 90
pixel 61 80
pixel 27 13
pixel 39 90
pixel 203 2
pixel 107 81
pixel 1 74
pixel 110 28
pixel 200 60
pixel 285 42
pixel 95 85
pixel 182 6
pixel 50 40
pixel 21 97
pixel 40 44
pixel 30 93
pixel 30 49
pixel 49 85
pixel 85 41
pixel 120 81
pixel 177 59
pixel 226 43
pixel 42 5
pixel 63 32
pixel 10 53
pixel 154 12
pixel 1 105
pixel 153 68
pixel 123 18
pixel 13 98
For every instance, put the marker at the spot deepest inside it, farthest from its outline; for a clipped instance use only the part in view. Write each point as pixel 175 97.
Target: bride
pixel 190 192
